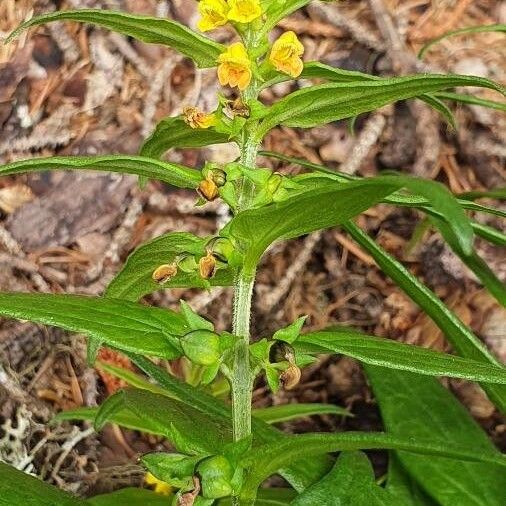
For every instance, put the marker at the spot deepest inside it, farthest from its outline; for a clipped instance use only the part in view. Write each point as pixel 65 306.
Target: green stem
pixel 242 378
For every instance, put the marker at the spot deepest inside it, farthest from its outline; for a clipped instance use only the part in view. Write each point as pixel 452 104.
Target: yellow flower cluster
pixel 216 13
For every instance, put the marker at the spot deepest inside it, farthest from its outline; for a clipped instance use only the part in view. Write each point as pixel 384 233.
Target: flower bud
pixel 201 347
pixel 215 476
pixel 274 182
pixel 164 273
pixel 207 266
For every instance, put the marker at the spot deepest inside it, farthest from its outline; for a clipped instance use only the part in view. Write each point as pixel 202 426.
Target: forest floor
pixel 70 89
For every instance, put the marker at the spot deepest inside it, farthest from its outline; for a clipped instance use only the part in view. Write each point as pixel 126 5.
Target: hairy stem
pixel 242 378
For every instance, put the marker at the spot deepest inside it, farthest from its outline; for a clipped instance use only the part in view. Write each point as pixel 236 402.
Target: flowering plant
pixel 224 452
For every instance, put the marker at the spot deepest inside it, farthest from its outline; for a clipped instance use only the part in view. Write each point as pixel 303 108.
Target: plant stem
pixel 242 378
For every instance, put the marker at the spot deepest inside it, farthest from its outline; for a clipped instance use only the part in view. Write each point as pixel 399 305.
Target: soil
pixel 73 89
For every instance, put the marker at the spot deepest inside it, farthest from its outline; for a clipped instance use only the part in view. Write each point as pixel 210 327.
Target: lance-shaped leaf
pixel 129 497
pixel 19 489
pixel 266 460
pixel 171 418
pixel 317 70
pixel 317 208
pixel 327 202
pixel 445 211
pixel 268 497
pixel 173 132
pixel 397 355
pixel 500 28
pixel 299 475
pixel 122 417
pixel 352 482
pixel 286 412
pixel 402 486
pixel 203 51
pixel 325 103
pixel 171 173
pixel 470 100
pixel 402 199
pixel 458 334
pixel 435 413
pixel 117 323
pixel 136 278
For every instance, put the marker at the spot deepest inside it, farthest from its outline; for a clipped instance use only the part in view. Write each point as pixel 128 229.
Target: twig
pixel 66 448
pixel 359 32
pixel 366 140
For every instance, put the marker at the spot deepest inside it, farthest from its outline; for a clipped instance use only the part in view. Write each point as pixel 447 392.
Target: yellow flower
pixel 198 119
pixel 160 487
pixel 286 54
pixel 244 11
pixel 214 14
pixel 235 67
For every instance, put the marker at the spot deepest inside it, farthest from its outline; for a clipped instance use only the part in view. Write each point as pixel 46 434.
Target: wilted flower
pixel 244 11
pixel 164 273
pixel 214 14
pixel 207 266
pixel 235 67
pixel 198 119
pixel 286 54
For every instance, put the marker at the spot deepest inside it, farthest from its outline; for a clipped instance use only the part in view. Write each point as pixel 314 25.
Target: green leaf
pixel 350 482
pixel 437 104
pixel 290 333
pixel 130 378
pixel 331 102
pixel 173 132
pixel 136 277
pixel 317 70
pixel 266 460
pixel 401 485
pixel 397 355
pixel 469 99
pixel 203 51
pixel 490 234
pixel 446 213
pixel 305 212
pixel 21 489
pixel 122 417
pixel 434 413
pixel 496 193
pixel 170 418
pixel 328 202
pixel 120 324
pixel 170 173
pixel 130 497
pixel 459 335
pixel 401 199
pixel 287 412
pixel 299 475
pixel 172 468
pixel 461 31
pixel 268 497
